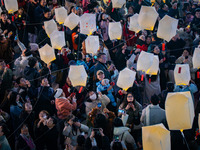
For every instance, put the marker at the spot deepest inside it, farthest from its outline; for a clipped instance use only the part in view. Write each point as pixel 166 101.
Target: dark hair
pixel 24 124
pixel 81 140
pixel 18 80
pixel 79 56
pixel 170 86
pixel 47 10
pixel 13 97
pixel 125 102
pixel 5 130
pixel 3 13
pixel 100 54
pixel 100 121
pixel 155 99
pixel 32 61
pixel 117 122
pixel 117 146
pixel 54 120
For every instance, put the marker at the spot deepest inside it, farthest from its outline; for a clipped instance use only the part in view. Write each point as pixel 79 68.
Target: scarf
pixel 29 141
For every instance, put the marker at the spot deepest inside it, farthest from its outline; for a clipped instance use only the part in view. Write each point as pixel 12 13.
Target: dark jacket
pixel 43 38
pixel 21 144
pixel 32 75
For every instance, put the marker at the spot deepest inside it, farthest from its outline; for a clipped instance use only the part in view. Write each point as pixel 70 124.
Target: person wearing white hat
pixel 64 105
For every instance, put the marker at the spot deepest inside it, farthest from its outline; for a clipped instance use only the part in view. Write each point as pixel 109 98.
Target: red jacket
pixel 64 107
pixel 129 36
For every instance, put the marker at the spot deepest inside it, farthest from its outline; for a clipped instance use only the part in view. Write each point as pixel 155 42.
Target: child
pixel 105 85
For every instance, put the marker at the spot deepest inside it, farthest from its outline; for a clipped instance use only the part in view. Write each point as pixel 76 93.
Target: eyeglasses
pixel 129 96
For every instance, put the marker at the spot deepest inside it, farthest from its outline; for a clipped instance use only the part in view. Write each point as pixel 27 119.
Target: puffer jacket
pixel 64 107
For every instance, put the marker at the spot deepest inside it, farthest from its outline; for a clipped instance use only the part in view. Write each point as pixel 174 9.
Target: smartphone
pixel 186 57
pixel 95 57
pixel 99 105
pixel 15 38
pixel 121 111
pixel 116 138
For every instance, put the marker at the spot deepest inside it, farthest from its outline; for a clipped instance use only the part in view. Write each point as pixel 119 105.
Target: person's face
pixel 156 50
pixel 148 41
pixel 174 6
pixel 20 11
pixel 68 81
pixel 91 93
pixel 43 3
pixel 87 59
pixel 2 65
pixel 130 98
pixel 42 115
pixel 4 17
pixel 45 82
pixel 100 76
pixel 185 53
pixel 124 47
pixel 24 130
pixel 130 10
pixel 22 82
pixel 50 122
pixel 28 107
pixel 47 15
pixel 1 133
pixel 197 14
pixel 103 59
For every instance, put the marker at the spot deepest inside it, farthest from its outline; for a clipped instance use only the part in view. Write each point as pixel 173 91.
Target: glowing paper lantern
pixel 156 137
pixel 72 21
pixel 47 54
pixel 167 28
pixel 147 17
pixel 153 70
pixel 92 44
pixel 196 58
pixel 118 3
pixel 50 26
pixel 88 23
pixel 179 110
pixel 145 61
pixel 126 78
pixel 134 26
pixel 61 15
pixel 115 30
pixel 182 74
pixel 77 75
pixel 11 6
pixel 58 39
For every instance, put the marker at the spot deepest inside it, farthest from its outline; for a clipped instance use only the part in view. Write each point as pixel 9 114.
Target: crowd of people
pixel 41 110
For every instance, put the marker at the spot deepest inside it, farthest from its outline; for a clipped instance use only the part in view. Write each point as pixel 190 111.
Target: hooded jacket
pixel 124 135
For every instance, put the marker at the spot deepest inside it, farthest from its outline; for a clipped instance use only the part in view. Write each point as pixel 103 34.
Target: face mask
pixel 93 96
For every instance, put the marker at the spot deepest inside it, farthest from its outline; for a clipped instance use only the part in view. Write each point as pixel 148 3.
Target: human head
pixel 197 12
pixel 129 97
pixel 28 107
pixel 32 62
pixel 155 99
pixel 105 82
pixel 92 95
pixel 43 3
pixel 130 10
pixel 100 75
pixel 117 122
pixel 156 49
pixel 68 81
pixel 186 52
pixel 21 82
pixel 51 121
pixel 24 130
pixel 43 115
pixel 101 57
pixel 148 40
pixel 47 13
pixel 170 86
pixel 164 7
pixel 45 82
pixel 20 11
pixel 4 16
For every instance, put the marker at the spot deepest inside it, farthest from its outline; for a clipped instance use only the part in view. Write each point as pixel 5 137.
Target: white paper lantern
pixel 92 44
pixel 147 17
pixel 182 74
pixel 126 78
pixel 72 21
pixel 167 28
pixel 145 61
pixel 115 30
pixel 88 23
pixel 118 3
pixel 47 54
pixel 77 75
pixel 57 39
pixel 179 110
pixel 153 70
pixel 50 26
pixel 61 15
pixel 134 26
pixel 11 6
pixel 156 137
pixel 196 58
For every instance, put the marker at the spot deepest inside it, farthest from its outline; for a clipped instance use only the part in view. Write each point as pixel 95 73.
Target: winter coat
pixel 64 107
pixel 32 75
pixel 125 136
